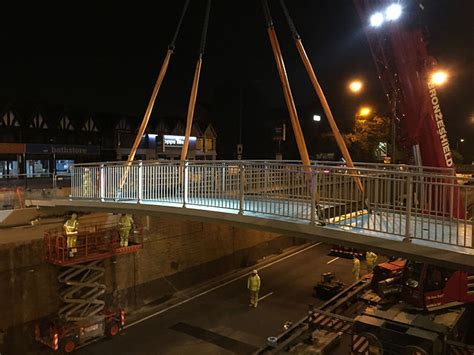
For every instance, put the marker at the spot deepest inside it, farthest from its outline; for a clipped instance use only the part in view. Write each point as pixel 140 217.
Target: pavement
pixel 219 320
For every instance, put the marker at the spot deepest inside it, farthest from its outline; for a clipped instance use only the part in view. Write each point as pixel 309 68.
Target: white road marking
pixel 217 287
pixel 333 260
pixel 263 297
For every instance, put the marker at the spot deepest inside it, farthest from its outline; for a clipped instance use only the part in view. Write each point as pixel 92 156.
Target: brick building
pixel 38 139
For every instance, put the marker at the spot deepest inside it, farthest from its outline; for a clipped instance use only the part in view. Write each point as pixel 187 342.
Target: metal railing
pixel 405 201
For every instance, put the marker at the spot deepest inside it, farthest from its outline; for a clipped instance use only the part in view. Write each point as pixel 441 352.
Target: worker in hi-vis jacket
pixel 253 285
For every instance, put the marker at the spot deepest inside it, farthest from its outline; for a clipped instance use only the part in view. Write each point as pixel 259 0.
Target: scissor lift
pixel 83 317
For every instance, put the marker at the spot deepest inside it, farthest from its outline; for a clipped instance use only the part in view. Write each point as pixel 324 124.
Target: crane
pixel 405 68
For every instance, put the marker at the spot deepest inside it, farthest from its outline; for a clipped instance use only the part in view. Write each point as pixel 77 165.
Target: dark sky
pixel 107 59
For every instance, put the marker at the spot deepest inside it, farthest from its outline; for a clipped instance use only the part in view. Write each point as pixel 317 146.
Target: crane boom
pixel 403 65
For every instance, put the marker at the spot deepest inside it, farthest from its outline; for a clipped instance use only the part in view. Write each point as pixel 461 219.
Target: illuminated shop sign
pixel 176 141
pixel 173 143
pixel 62 149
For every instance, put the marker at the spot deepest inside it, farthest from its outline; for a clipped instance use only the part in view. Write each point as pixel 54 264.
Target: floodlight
pixel 393 12
pixel 376 19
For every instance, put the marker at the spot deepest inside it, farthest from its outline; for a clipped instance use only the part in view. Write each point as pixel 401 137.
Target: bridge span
pixel 408 211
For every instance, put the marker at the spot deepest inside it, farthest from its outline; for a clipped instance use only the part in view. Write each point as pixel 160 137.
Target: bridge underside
pixel 430 252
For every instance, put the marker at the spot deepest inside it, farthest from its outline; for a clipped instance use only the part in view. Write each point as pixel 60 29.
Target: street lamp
pixel 364 111
pixel 355 86
pixel 439 77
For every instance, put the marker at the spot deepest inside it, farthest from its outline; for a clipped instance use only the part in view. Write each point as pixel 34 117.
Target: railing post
pixel 73 180
pixel 140 182
pixel 313 199
pixel 241 188
pixel 223 179
pixel 408 237
pixel 55 185
pixel 185 184
pixel 102 183
pixel 265 181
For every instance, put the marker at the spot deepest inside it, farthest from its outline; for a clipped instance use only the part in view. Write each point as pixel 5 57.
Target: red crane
pixel 404 67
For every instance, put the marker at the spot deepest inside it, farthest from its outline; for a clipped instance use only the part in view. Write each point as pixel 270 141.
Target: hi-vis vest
pixel 253 283
pixel 125 223
pixel 371 257
pixel 70 226
pixel 356 265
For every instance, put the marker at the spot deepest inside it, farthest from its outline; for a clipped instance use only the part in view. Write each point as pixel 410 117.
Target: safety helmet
pixel 254 271
pixel 74 215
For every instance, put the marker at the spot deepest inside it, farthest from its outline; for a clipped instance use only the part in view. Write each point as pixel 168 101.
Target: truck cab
pixel 423 286
pixel 432 287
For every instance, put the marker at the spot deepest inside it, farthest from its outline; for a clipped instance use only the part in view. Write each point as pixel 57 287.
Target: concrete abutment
pixel 176 255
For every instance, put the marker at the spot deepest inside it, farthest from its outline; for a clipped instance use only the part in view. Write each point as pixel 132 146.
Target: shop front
pixel 169 147
pixel 43 159
pixel 11 158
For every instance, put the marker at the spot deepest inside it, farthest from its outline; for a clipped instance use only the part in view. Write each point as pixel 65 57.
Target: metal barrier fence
pixel 16 188
pixel 405 201
pixel 33 181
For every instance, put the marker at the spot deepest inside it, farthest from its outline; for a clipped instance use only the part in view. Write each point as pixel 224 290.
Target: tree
pixel 368 132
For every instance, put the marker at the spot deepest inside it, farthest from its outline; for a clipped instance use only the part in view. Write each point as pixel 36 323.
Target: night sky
pixel 107 60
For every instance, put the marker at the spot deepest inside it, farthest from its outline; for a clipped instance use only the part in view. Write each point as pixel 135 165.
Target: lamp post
pixel 356 86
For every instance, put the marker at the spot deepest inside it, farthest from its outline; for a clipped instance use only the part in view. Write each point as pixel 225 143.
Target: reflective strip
pixel 359 344
pixel 55 341
pixel 460 351
pixel 122 318
pixel 330 323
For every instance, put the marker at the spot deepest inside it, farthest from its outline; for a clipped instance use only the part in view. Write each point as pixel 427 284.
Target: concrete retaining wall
pixel 185 253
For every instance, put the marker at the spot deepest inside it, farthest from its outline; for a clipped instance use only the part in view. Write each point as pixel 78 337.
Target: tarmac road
pixel 221 322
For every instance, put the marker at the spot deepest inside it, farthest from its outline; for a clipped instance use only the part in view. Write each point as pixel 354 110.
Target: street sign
pixel 279 133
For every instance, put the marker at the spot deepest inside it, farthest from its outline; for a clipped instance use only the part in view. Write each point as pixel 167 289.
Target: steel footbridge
pixel 408 211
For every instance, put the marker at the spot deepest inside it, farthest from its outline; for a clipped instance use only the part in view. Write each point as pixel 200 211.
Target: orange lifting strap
pixel 151 103
pixel 284 81
pixel 320 93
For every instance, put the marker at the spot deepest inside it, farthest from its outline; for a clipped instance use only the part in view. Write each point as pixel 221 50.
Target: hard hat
pixel 74 215
pixel 254 271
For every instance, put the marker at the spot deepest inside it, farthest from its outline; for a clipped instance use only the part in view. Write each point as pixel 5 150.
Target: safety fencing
pixel 16 188
pixel 407 201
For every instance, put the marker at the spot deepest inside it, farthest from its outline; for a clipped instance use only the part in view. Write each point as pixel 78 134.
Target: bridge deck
pixel 351 233
pixel 365 207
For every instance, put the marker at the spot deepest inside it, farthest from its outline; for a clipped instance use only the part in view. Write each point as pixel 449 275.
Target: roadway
pixel 221 322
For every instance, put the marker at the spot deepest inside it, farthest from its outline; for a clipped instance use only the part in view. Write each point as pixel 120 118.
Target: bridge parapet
pixel 418 204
